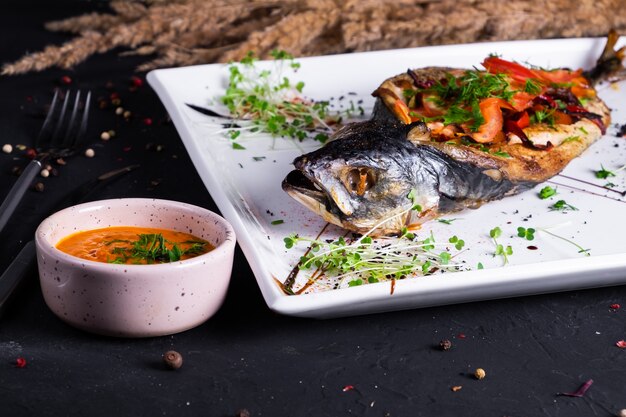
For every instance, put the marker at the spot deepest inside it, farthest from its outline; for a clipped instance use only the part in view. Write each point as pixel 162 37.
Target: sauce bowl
pixel 135 300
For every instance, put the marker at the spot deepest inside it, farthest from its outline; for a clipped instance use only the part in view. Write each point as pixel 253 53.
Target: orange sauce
pixel 133 245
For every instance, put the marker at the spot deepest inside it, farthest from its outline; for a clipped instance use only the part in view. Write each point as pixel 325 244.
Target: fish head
pixel 369 176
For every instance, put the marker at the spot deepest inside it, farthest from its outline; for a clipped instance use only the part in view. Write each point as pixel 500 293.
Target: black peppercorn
pixel 173 359
pixel 445 344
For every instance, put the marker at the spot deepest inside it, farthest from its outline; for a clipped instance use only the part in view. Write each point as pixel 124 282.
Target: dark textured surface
pixel 246 356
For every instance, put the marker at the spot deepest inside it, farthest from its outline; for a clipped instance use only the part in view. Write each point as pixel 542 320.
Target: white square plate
pixel 246 186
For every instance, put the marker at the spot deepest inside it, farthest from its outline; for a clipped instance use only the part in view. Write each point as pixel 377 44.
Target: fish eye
pixel 359 180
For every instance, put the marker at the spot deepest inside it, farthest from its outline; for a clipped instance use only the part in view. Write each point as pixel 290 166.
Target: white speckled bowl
pixel 135 300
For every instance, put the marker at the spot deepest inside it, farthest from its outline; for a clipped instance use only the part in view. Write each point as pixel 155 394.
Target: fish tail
pixel 609 66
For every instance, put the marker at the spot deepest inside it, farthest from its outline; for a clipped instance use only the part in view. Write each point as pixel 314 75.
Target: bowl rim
pixel 222 249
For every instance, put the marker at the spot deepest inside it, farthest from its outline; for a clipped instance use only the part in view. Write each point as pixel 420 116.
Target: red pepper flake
pixel 579 392
pixel 147 121
pixel 136 81
pixel 126 148
pixel 461 336
pixel 114 96
pixel 615 306
pixel 621 344
pixel 66 79
pixel 348 388
pixel 20 362
pixel 31 153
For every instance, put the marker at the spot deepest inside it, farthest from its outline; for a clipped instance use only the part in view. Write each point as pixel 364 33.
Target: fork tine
pixel 44 132
pixel 71 126
pixel 83 123
pixel 57 130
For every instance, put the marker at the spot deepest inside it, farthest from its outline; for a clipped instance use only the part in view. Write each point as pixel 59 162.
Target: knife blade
pixel 25 259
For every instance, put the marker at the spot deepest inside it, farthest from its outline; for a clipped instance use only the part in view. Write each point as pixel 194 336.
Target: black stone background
pixel 246 356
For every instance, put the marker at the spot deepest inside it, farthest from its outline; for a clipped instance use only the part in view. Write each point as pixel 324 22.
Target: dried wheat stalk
pixel 185 32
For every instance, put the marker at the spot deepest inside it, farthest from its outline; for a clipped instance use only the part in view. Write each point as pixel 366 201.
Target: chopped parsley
pixel 547 192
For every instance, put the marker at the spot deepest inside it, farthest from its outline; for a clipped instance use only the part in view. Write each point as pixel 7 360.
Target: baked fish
pixel 443 139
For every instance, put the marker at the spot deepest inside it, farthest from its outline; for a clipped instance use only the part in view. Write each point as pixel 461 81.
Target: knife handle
pixel 14 196
pixel 14 274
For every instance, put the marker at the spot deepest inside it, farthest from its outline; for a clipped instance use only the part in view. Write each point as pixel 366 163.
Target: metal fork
pixel 57 138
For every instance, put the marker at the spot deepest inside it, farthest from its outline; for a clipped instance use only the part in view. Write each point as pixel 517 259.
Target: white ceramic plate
pixel 246 186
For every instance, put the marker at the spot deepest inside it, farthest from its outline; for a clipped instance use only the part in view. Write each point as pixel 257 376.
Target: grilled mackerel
pixel 443 139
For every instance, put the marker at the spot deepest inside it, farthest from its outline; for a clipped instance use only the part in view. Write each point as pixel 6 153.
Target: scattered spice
pixel 60 161
pixel 119 111
pixel 66 80
pixel 480 373
pixel 461 336
pixel 579 392
pixel 147 121
pixel 45 173
pixel 136 81
pixel 279 221
pixel 173 359
pixel 31 153
pixel 127 114
pixel 16 170
pixel 621 344
pixel 20 362
pixel 615 306
pixel 7 148
pixel 90 153
pixel 456 388
pixel 243 413
pixel 622 412
pixel 39 187
pixel 105 135
pixel 348 388
pixel 532 247
pixel 445 344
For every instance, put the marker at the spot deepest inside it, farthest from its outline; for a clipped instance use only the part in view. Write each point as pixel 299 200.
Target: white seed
pixel 119 111
pixel 7 148
pixel 112 133
pixel 105 136
pixel 622 413
pixel 90 153
pixel 44 173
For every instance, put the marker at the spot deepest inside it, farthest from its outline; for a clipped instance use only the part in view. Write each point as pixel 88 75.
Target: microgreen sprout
pixel 376 260
pixel 458 243
pixel 373 260
pixel 505 252
pixel 526 233
pixel 580 248
pixel 274 104
pixel 561 205
pixel 547 192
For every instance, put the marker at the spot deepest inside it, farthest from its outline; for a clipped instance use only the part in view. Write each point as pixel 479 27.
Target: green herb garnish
pixel 547 192
pixel 446 221
pixel 152 248
pixel 561 205
pixel 279 221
